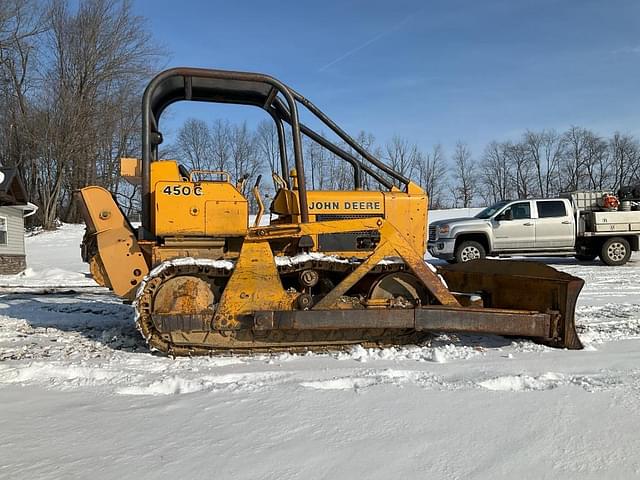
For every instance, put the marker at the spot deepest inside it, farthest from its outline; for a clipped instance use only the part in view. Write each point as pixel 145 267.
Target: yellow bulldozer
pixel 331 269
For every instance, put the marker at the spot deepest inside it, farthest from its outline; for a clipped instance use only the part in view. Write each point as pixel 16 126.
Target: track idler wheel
pixel 184 295
pixel 399 289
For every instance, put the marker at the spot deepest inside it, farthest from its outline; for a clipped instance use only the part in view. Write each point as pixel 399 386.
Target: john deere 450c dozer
pixel 333 268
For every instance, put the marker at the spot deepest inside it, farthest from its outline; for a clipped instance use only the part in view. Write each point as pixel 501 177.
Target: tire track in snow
pixel 609 322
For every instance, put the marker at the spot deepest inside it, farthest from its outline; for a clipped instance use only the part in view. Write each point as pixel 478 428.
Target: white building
pixel 13 208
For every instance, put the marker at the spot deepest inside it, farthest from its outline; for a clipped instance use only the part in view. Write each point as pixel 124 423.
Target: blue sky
pixel 432 71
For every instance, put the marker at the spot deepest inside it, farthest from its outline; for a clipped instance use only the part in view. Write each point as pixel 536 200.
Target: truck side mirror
pixel 506 215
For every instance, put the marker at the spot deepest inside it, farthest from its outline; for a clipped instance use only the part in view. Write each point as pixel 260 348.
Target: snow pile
pixel 188 261
pixel 374 378
pixel 176 384
pixel 305 257
pixel 519 383
pixel 439 352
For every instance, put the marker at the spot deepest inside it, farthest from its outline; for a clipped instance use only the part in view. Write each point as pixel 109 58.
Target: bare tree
pixel 342 172
pixel 21 28
pixel 195 145
pixel 432 174
pixel 401 155
pixel 496 173
pixel 572 169
pixel 221 144
pixel 464 176
pixel 317 166
pixel 70 83
pixel 599 176
pixel 269 146
pixel 545 149
pixel 523 177
pixel 128 196
pixel 244 158
pixel 368 142
pixel 325 170
pixel 625 158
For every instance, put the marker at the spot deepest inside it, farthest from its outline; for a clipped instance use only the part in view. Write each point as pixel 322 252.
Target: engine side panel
pixel 195 208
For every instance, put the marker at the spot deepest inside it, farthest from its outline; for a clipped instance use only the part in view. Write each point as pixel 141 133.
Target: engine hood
pixel 459 221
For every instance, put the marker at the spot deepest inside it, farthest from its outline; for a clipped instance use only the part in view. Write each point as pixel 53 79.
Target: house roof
pixel 12 190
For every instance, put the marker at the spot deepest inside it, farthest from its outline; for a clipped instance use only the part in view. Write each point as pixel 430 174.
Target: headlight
pixel 443 229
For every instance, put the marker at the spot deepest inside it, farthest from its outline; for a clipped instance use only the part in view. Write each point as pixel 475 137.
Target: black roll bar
pixel 358 166
pixel 282 145
pixel 264 91
pixel 350 141
pixel 214 86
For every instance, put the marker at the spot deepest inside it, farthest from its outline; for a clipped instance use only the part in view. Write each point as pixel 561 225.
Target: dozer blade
pixel 519 299
pixel 505 284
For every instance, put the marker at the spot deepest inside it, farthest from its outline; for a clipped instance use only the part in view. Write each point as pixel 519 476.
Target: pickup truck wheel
pixel 615 251
pixel 585 258
pixel 469 250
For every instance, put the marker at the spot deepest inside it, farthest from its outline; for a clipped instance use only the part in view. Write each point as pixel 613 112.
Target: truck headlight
pixel 443 229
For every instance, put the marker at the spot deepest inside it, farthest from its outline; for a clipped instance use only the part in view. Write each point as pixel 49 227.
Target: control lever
pixel 256 194
pixel 241 181
pixel 278 181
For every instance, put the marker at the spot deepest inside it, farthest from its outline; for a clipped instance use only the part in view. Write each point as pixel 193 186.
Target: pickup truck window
pixel 489 211
pixel 519 211
pixel 552 208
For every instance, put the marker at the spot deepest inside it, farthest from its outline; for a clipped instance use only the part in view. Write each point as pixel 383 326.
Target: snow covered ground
pixel 82 397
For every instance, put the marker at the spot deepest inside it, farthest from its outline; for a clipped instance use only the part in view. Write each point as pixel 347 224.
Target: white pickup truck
pixel 540 227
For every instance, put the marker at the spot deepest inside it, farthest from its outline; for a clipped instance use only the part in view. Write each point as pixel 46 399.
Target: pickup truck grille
pixel 432 233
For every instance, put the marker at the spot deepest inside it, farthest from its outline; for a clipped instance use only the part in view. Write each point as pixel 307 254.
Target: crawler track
pixel 200 339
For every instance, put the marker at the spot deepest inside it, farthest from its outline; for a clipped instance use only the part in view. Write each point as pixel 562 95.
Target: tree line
pixel 70 81
pixel 545 163
pixel 540 164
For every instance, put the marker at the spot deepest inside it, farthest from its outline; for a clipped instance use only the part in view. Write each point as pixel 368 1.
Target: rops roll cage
pixel 244 88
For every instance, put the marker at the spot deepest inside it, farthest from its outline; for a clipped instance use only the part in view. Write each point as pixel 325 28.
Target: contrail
pixel 368 42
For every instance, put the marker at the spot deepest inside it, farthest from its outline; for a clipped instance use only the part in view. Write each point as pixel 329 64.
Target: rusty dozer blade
pixel 505 284
pixel 524 299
